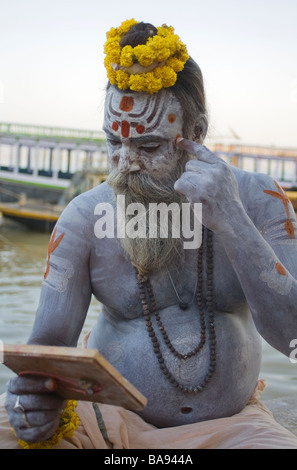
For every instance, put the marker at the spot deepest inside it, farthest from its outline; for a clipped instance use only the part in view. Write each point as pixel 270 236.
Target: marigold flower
pixel 165 49
pixel 126 57
pixel 122 79
pixel 167 75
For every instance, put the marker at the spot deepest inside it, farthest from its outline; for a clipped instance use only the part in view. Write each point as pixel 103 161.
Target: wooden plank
pixel 82 374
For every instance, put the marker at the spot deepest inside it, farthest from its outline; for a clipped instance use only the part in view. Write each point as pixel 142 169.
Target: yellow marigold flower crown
pixel 146 67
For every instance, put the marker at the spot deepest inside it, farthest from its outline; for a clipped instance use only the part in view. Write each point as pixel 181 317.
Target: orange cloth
pixel 253 428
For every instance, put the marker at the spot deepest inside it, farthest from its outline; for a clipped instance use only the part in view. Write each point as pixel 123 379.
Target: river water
pixel 22 265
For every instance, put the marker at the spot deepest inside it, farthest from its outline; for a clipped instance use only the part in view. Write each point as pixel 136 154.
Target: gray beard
pixel 149 255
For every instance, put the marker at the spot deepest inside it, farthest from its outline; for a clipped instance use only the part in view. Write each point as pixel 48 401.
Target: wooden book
pixel 81 374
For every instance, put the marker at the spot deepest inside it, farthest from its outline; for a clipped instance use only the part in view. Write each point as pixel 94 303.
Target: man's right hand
pixel 33 408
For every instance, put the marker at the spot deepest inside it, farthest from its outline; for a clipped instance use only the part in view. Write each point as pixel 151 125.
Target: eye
pixel 150 148
pixel 113 142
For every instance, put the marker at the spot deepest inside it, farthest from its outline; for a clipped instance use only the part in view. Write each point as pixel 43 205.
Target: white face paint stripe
pixel 162 112
pixel 151 112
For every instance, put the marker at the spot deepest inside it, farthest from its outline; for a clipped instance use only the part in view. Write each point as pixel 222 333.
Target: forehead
pixel 131 115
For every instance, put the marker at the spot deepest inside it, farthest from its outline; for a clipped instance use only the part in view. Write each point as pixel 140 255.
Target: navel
pixel 186 410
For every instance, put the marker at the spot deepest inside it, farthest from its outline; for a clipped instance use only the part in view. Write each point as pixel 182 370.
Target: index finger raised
pixel 200 151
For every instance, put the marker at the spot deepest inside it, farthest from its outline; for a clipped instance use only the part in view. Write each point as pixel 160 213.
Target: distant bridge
pixel 53 133
pixel 279 163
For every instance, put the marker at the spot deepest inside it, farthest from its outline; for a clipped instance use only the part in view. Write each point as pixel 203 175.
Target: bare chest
pixel 114 281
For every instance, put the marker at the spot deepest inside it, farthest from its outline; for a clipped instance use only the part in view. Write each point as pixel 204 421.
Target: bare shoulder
pixel 263 198
pixel 87 201
pixel 249 182
pixel 100 193
pixel 79 215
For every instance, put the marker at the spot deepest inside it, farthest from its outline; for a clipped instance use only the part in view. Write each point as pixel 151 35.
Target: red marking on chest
pixel 125 127
pixel 126 104
pixel 115 126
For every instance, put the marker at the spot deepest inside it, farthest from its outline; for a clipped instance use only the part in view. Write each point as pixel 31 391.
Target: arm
pixel 66 288
pixel 64 301
pixel 266 261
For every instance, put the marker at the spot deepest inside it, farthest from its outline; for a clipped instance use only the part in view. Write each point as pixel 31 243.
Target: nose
pixel 128 160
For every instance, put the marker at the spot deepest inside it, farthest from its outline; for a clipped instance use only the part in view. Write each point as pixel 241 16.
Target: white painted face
pixel 141 130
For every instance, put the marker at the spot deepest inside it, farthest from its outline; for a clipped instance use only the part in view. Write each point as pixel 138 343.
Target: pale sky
pixel 52 73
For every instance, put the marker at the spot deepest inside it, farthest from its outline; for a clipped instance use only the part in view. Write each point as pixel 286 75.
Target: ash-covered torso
pixel 142 329
pixel 122 336
pixel 83 264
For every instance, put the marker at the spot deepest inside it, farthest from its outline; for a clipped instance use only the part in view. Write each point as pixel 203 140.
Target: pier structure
pixel 279 163
pixel 40 160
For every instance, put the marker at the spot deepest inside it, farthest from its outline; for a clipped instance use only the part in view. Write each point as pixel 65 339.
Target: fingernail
pixel 51 384
pixel 178 138
pixel 177 190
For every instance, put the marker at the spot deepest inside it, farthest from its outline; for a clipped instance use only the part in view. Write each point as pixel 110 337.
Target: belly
pixel 183 394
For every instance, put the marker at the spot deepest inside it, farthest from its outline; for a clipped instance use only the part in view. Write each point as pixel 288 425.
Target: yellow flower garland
pixel 164 52
pixel 69 422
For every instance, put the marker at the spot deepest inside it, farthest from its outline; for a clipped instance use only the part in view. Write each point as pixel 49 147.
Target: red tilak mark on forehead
pixel 115 126
pixel 140 129
pixel 127 103
pixel 172 118
pixel 125 128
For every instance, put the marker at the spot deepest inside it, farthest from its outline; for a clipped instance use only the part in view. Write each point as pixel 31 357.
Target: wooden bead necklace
pixel 149 305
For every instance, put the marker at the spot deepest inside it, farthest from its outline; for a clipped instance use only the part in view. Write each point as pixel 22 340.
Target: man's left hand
pixel 210 181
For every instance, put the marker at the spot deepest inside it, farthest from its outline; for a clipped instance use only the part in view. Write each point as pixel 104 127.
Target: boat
pixel 41 215
pixel 35 215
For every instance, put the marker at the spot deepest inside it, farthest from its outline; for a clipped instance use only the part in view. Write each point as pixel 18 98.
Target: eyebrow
pixel 140 139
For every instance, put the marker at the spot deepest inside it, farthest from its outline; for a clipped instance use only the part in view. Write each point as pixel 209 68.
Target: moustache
pixel 143 185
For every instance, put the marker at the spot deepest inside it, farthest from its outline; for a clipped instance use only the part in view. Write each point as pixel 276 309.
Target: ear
pixel 200 129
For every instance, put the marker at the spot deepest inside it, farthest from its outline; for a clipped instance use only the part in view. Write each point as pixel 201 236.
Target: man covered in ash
pixel 182 323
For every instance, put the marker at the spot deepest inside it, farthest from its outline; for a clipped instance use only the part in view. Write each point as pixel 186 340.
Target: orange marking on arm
pixel 285 200
pixel 280 269
pixel 53 244
pixel 290 229
pixel 273 193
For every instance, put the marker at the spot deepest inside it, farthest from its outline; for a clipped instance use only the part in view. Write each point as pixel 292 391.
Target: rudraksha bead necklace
pixel 149 305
